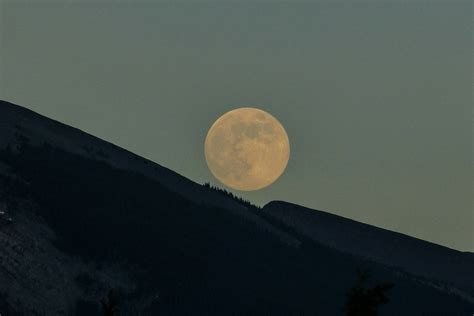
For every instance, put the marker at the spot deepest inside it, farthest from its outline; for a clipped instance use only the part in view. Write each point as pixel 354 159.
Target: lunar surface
pixel 247 149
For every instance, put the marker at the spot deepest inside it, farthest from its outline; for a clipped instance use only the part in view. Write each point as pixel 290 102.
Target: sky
pixel 376 96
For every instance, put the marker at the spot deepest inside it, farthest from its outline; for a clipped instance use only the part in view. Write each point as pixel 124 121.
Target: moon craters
pixel 247 149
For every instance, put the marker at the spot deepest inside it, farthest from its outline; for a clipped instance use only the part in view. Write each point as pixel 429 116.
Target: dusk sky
pixel 376 97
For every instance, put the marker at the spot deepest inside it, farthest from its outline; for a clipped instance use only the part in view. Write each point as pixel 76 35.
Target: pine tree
pixel 363 300
pixel 109 303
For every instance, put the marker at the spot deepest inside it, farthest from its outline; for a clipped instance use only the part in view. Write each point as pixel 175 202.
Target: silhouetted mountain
pixel 80 217
pixel 408 254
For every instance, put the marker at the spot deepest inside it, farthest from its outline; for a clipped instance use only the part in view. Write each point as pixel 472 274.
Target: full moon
pixel 247 149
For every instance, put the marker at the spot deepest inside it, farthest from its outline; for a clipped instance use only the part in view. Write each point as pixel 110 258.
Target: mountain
pixel 80 216
pixel 408 254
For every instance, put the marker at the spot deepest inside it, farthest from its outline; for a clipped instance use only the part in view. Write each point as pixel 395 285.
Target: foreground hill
pixel 79 216
pixel 408 254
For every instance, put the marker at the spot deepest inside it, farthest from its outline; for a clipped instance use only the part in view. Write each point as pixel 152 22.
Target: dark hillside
pixel 81 226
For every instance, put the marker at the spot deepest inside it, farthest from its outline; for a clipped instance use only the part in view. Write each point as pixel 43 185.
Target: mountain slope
pixel 87 216
pixel 389 248
pixel 15 121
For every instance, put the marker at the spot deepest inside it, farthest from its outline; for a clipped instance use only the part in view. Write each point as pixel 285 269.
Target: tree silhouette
pixel 109 303
pixel 363 300
pixel 231 195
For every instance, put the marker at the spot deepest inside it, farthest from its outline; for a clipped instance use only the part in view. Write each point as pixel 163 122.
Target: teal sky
pixel 376 97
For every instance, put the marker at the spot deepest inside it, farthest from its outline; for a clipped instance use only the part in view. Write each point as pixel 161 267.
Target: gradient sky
pixel 376 97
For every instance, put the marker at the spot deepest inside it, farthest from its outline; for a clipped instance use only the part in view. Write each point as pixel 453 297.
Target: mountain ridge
pixel 270 205
pixel 88 216
pixel 406 252
pixel 79 141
